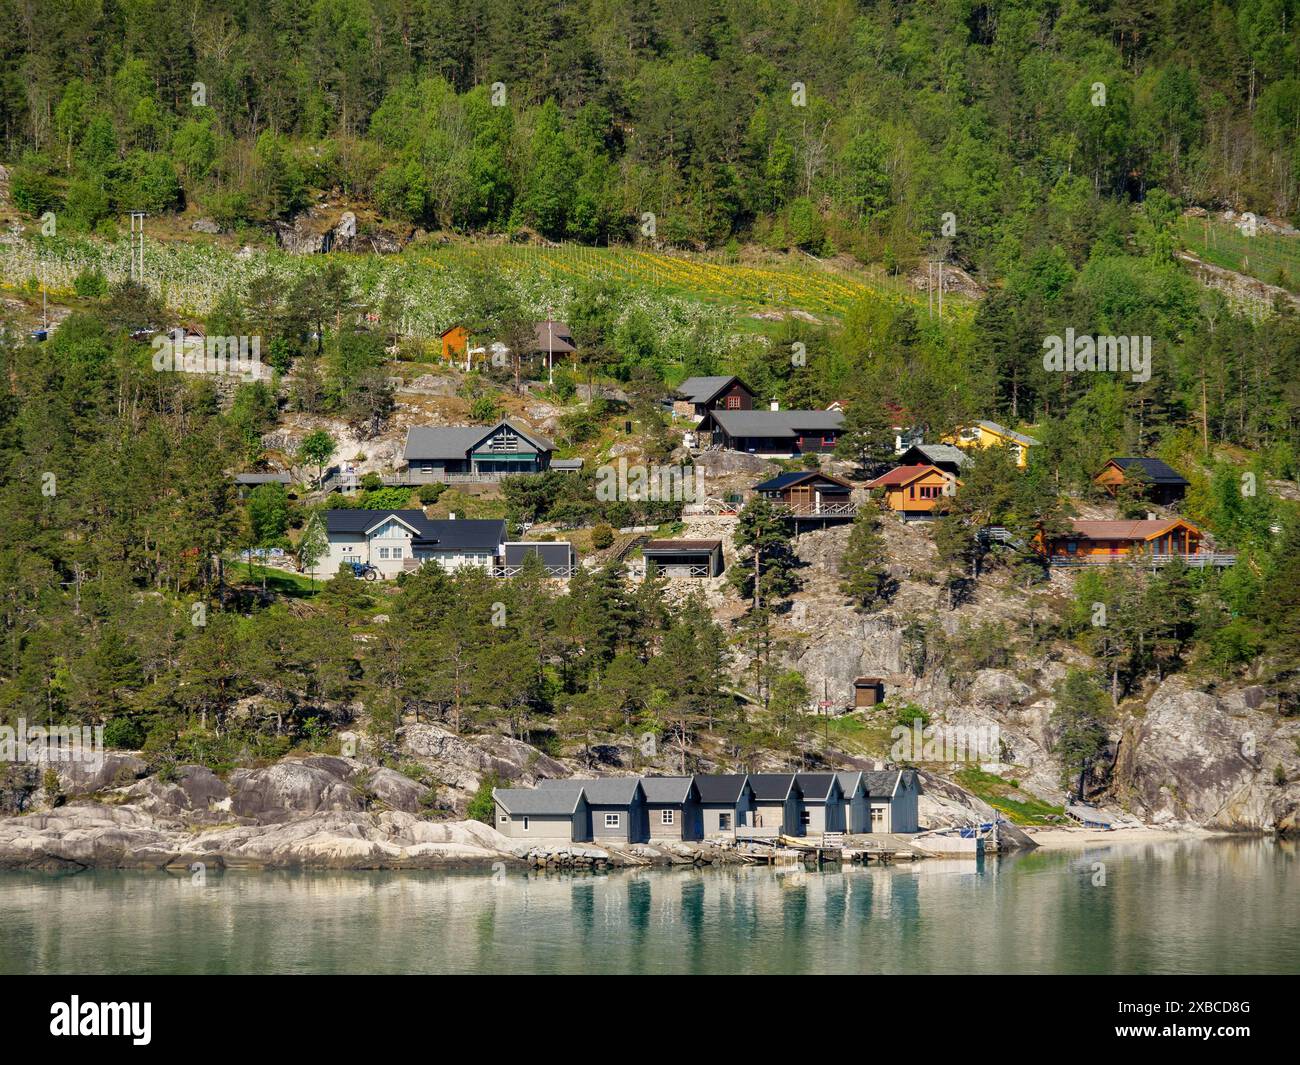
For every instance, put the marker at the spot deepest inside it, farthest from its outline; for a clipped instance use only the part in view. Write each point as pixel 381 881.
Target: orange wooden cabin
pixel 1101 541
pixel 915 490
pixel 455 341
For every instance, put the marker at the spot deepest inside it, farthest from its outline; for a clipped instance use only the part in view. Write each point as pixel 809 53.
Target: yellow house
pixel 991 434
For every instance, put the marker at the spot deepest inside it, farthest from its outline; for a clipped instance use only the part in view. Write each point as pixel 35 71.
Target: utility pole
pixel 137 246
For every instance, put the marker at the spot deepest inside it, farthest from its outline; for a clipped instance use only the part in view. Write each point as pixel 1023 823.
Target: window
pixel 877 815
pixel 805 818
pixel 667 817
pixel 525 824
pixel 724 821
pixel 505 819
pixel 504 442
pixel 397 552
pixel 733 403
pixel 383 552
pixel 613 820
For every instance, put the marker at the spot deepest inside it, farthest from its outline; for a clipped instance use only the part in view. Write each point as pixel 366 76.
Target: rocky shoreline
pixel 318 812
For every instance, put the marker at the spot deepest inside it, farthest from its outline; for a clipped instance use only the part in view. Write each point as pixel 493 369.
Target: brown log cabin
pixel 811 496
pixel 915 491
pixel 1114 541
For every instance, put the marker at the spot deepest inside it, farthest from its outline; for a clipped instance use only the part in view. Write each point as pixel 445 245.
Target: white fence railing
pixel 1198 560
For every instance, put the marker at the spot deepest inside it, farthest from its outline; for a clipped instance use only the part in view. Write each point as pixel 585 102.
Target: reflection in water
pixel 1161 907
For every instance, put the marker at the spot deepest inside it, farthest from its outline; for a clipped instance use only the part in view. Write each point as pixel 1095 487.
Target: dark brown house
pixel 1158 482
pixel 698 395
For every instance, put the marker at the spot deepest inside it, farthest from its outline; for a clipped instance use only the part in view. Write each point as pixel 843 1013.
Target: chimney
pixel 1151 515
pixel 776 405
pixel 451 516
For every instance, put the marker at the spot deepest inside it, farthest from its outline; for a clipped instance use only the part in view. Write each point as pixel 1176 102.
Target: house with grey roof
pixel 726 802
pixel 776 802
pixel 616 806
pixel 774 433
pixel 672 808
pixel 696 396
pixel 944 457
pixel 821 803
pixel 857 812
pixel 892 796
pixel 437 453
pixel 550 815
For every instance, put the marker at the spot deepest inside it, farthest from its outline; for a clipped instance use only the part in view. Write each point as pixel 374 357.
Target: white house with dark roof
pixel 396 540
pixel 436 453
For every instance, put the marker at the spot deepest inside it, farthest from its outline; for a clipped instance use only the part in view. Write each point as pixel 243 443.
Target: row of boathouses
pixel 709 806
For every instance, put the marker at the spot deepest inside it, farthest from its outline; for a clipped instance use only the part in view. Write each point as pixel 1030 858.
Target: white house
pixel 397 540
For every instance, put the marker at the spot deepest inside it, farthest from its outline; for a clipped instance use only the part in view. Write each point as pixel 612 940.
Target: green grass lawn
pixel 997 793
pixel 281 582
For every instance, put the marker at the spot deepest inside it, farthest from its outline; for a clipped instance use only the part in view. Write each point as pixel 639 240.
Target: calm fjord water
pixel 1211 907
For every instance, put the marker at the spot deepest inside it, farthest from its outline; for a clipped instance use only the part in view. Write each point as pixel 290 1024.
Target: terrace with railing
pixel 1195 559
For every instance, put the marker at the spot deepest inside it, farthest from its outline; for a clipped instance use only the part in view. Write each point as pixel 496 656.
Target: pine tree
pixel 863 576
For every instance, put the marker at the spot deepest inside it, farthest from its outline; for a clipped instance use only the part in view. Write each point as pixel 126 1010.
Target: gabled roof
pixel 454 325
pixel 900 476
pixel 424 442
pixel 667 789
pixel 704 389
pixel 721 787
pixel 772 787
pixel 849 781
pixel 817 786
pixel 1128 530
pixel 934 454
pixel 785 480
pixel 600 791
pixel 561 800
pixel 776 424
pixel 1155 470
pixel 881 784
pixel 1007 434
pixel 474 535
pixel 554 337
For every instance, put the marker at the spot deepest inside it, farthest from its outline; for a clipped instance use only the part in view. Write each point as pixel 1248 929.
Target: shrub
pixel 482 807
pixel 90 284
pixel 602 536
pixel 123 734
pixel 430 493
pixel 52 787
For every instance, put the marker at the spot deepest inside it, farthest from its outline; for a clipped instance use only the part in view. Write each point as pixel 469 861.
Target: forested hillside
pixel 695 187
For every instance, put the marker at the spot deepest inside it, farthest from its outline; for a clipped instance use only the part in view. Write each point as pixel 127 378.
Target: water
pixel 1211 907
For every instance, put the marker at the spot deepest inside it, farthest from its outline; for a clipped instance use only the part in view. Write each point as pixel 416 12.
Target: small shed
pixel 684 558
pixel 868 691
